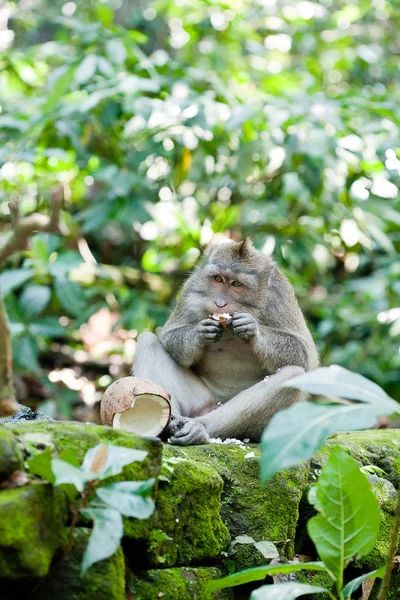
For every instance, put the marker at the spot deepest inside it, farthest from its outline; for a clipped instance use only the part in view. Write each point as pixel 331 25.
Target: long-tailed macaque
pixel 225 382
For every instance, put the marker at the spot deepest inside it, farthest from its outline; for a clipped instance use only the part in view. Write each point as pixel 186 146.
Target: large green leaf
pixel 64 472
pixel 296 433
pixel 337 381
pixel 34 300
pixel 59 88
pixel 260 573
pixel 353 585
pixel 13 278
pixel 69 294
pixel 47 327
pixel 129 497
pixel 86 69
pixel 106 535
pixel 112 460
pixel 285 591
pixel 349 519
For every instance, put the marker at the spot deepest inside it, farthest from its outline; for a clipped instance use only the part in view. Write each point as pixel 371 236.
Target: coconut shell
pixel 148 405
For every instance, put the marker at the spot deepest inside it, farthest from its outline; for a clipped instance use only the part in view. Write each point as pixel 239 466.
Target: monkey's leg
pixel 189 395
pixel 247 414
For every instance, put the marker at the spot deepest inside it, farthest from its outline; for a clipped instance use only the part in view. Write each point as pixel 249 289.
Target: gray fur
pixel 216 376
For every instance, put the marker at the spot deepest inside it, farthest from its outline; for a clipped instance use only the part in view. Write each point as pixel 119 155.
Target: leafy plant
pixel 348 520
pixel 103 503
pixel 347 526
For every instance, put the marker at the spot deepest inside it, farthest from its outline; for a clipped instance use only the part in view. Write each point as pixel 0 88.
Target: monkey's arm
pixel 181 342
pixel 280 336
pixel 186 340
pixel 277 348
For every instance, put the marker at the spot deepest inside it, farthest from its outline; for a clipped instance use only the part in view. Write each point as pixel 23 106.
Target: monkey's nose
pixel 220 305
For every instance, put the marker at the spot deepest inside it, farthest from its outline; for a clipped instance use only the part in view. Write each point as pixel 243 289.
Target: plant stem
pixel 392 552
pixel 75 517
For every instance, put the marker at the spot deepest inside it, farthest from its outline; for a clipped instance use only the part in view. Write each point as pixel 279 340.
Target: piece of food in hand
pixel 136 405
pixel 223 318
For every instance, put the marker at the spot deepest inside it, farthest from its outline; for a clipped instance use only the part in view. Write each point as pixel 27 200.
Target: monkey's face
pixel 228 288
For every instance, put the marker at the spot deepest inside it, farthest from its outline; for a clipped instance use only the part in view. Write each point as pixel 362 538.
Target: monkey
pixel 224 381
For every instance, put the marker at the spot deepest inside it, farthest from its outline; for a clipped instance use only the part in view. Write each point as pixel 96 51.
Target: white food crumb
pixel 250 455
pixel 229 441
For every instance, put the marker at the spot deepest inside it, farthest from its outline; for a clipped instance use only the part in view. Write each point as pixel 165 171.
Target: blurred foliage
pixel 163 122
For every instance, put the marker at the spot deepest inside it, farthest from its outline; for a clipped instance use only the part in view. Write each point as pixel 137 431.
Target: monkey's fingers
pixel 245 328
pixel 177 424
pixel 242 317
pixel 210 323
pixel 191 433
pixel 209 329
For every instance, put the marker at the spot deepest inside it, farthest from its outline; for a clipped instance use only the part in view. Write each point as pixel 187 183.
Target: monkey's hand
pixel 186 432
pixel 208 332
pixel 244 326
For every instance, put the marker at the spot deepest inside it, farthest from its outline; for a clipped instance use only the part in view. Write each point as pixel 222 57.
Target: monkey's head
pixel 230 278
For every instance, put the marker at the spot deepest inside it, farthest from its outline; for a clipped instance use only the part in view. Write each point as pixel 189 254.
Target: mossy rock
pixel 318 578
pixel 10 455
pixel 79 437
pixel 266 513
pixel 31 529
pixel 177 584
pixel 386 495
pixel 105 580
pixel 187 526
pixel 378 447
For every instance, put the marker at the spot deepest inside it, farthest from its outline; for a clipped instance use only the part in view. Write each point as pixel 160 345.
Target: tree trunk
pixel 8 401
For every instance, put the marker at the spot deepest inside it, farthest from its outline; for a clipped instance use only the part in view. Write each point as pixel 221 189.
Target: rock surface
pixel 204 495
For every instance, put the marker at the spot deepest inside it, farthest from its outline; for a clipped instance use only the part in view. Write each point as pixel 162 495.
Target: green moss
pixel 187 513
pixel 266 513
pixel 105 580
pixel 31 529
pixel 177 584
pixel 316 578
pixel 10 454
pixel 394 590
pixel 79 437
pixel 386 495
pixel 378 447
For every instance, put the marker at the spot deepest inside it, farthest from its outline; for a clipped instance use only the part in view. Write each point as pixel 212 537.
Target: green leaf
pixel 12 279
pixel 260 573
pixel 86 69
pixel 335 380
pixel 127 497
pixel 294 434
pixel 349 521
pixel 353 585
pixel 60 87
pixel 40 465
pixel 285 591
pixel 116 51
pixel 69 294
pixel 64 472
pixel 106 535
pixel 34 299
pixel 26 352
pixel 117 458
pixel 47 327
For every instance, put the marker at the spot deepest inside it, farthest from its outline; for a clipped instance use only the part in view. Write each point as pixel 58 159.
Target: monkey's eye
pixel 236 283
pixel 218 278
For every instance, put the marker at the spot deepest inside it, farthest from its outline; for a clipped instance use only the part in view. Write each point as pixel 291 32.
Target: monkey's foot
pixel 187 432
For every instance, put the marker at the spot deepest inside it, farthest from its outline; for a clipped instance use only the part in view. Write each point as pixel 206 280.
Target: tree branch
pixel 24 227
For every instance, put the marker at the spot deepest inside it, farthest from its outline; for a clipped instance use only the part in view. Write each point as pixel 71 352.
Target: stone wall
pixel 211 515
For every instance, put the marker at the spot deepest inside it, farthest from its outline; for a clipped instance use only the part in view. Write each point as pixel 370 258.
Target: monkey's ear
pixel 243 248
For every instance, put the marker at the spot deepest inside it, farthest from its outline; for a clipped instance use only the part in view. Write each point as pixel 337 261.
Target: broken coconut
pixel 136 405
pixel 223 318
